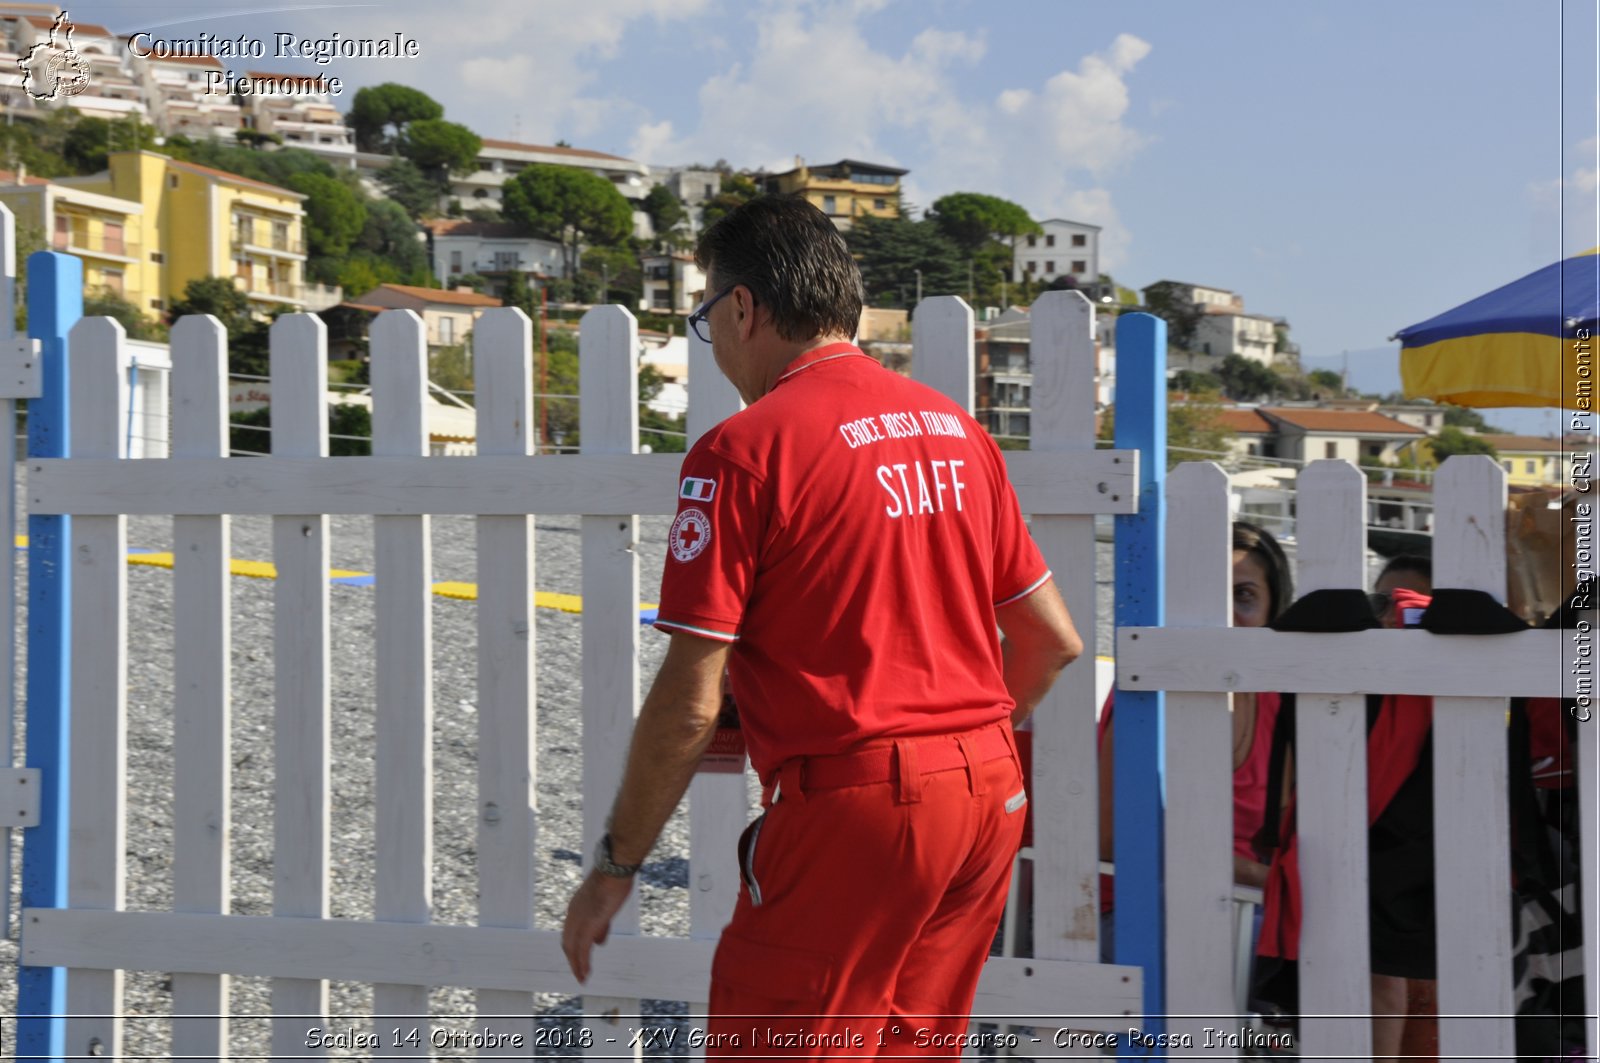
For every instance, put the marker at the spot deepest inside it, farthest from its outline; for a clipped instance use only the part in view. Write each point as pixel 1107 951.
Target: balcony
pixel 273 291
pixel 79 241
pixel 248 240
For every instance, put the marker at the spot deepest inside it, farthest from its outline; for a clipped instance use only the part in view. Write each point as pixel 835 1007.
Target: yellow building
pixel 844 190
pixel 105 231
pixel 197 222
pixel 1531 460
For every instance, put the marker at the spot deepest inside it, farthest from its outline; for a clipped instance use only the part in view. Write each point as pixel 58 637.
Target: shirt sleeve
pixel 1019 567
pixel 713 547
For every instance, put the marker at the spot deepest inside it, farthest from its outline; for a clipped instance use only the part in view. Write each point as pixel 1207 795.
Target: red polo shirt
pixel 851 533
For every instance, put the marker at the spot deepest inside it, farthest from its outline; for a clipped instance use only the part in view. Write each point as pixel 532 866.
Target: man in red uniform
pixel 844 548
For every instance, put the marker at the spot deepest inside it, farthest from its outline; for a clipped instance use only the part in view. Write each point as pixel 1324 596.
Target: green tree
pixel 1245 380
pixel 667 213
pixel 344 420
pixel 247 337
pixel 1165 299
pixel 335 214
pixel 255 138
pixel 451 368
pixel 569 206
pixel 1195 429
pixel 379 108
pixel 410 187
pixel 890 251
pixel 616 274
pixel 734 191
pixel 1466 417
pixel 1326 380
pixel 106 303
pixel 1190 380
pixel 390 236
pixel 1452 441
pixel 973 219
pixel 439 147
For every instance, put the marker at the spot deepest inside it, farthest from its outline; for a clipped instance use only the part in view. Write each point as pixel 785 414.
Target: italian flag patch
pixel 697 490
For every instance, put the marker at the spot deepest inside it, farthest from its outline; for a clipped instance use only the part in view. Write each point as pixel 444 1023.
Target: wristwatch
pixel 607 866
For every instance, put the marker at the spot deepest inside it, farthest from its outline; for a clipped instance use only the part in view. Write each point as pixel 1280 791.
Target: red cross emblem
pixel 690 535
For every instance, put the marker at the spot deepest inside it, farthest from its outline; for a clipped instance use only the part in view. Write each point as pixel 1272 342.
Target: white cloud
pixel 813 85
pixel 506 67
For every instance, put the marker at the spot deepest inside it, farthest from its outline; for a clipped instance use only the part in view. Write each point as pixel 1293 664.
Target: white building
pixel 666 275
pixel 501 160
pixel 176 94
pixel 300 114
pixel 1251 336
pixel 111 91
pixel 1065 248
pixel 694 188
pixel 492 249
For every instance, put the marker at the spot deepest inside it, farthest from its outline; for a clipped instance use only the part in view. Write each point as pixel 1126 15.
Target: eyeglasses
pixel 698 318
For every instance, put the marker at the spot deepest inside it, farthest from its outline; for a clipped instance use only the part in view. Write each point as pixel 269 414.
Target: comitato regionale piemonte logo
pixel 53 68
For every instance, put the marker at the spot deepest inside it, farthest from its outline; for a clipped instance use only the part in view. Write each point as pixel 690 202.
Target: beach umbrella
pixel 1529 343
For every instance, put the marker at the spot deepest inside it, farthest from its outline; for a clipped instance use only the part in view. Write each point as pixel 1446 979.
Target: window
pixel 504 261
pixel 1033 267
pixel 1049 265
pixel 157 304
pixel 828 205
pixel 1507 466
pixel 1330 450
pixel 280 235
pixel 172 180
pixel 113 242
pixel 710 191
pixel 157 257
pixel 1032 240
pixel 63 231
pixel 455 262
pixel 1374 450
pixel 1080 266
pixel 880 204
pixel 447 329
pixel 114 281
pixel 1050 240
pixel 1079 240
pixel 480 193
pixel 1530 467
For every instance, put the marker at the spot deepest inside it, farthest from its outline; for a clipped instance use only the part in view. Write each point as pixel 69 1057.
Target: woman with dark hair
pixel 1262 589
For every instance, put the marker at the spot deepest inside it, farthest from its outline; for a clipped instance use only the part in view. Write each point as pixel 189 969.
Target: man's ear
pixel 745 302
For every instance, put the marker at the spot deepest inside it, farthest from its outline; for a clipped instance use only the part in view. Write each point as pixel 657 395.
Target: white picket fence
pixel 1063 482
pixel 1198 659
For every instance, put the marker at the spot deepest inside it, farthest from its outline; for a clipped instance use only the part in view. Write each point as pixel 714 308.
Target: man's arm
pixel 1040 641
pixel 675 724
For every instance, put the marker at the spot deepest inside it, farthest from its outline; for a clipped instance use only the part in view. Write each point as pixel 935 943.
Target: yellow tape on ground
pixel 467 592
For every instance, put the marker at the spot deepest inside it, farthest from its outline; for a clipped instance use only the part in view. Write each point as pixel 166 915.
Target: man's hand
pixel 589 916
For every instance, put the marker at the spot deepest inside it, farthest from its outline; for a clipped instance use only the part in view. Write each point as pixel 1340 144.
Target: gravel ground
pixel 664 885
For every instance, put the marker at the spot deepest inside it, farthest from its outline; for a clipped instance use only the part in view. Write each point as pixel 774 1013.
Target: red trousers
pixel 868 908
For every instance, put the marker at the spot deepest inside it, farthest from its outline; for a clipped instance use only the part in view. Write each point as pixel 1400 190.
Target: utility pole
pixel 1002 291
pixel 919 287
pixel 971 291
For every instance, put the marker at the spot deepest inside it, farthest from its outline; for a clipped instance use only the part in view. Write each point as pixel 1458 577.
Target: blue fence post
pixel 55 303
pixel 1139 553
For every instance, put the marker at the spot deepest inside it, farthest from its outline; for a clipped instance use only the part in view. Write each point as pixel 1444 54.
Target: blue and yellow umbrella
pixel 1530 343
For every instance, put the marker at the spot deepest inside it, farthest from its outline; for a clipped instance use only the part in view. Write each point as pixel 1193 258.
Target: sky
pixel 1353 167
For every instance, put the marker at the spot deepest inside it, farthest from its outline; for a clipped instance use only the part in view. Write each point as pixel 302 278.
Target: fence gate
pixel 401 951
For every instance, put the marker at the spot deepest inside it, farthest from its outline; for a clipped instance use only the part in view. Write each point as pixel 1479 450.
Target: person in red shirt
pixel 845 549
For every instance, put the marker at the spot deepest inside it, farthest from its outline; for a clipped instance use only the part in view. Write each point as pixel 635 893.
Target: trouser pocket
pixel 747 857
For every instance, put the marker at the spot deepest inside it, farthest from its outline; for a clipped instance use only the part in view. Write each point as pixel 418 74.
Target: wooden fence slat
pixel 942 347
pixel 1331 786
pixel 202 761
pixel 608 413
pixel 508 826
pixel 300 673
pixel 719 803
pixel 1066 848
pixel 524 961
pixel 1259 659
pixel 1471 814
pixel 96 867
pixel 1075 483
pixel 1199 749
pixel 403 614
